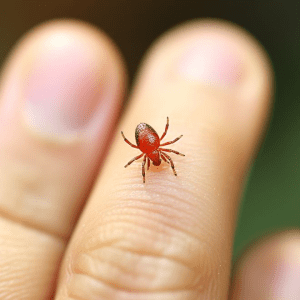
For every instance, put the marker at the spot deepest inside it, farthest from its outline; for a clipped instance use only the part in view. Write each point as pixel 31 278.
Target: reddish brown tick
pixel 148 142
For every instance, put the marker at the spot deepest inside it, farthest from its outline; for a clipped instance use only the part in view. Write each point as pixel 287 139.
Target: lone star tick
pixel 148 142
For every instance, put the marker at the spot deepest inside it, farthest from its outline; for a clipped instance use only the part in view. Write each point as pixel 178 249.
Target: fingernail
pixel 212 60
pixel 63 87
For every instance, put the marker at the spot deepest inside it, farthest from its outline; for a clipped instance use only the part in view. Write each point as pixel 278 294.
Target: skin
pixel 170 238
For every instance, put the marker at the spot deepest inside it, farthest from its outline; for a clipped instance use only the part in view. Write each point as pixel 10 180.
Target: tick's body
pixel 148 142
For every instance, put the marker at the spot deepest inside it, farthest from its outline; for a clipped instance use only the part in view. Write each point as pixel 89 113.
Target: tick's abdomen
pixel 154 156
pixel 146 138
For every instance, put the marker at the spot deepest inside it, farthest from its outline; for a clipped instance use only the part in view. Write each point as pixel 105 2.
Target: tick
pixel 148 141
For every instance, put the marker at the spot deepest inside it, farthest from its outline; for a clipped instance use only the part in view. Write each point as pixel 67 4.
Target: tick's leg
pixel 172 164
pixel 143 168
pixel 135 158
pixel 163 157
pixel 170 150
pixel 172 142
pixel 148 163
pixel 134 146
pixel 167 126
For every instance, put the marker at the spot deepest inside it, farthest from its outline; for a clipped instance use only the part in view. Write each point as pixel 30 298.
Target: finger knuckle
pixel 142 257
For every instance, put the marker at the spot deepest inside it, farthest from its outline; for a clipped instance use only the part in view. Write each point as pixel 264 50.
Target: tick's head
pixel 154 156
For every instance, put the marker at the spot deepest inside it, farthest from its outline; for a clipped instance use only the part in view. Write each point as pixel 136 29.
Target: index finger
pixel 171 237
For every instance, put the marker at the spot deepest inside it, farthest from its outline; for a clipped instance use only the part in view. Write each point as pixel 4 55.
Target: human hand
pixel 170 238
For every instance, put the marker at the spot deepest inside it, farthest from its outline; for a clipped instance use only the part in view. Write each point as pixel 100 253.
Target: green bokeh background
pixel 272 197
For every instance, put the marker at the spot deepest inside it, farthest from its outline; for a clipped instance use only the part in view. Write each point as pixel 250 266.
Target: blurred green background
pixel 272 197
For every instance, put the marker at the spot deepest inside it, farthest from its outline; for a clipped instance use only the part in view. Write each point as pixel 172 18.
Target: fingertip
pixel 61 95
pixel 211 71
pixel 69 75
pixel 270 269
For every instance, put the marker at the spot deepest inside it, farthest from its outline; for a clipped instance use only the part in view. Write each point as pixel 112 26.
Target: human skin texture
pixel 74 223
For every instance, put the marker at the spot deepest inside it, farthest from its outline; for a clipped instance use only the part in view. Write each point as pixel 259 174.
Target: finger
pixel 270 269
pixel 171 237
pixel 60 96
